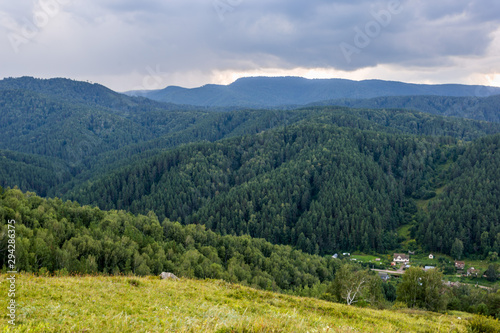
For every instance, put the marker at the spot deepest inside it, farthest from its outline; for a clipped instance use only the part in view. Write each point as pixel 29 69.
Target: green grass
pixel 126 304
pixel 404 231
pixel 365 258
pixel 440 190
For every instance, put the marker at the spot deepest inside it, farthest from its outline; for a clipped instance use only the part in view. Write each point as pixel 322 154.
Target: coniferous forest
pixel 100 182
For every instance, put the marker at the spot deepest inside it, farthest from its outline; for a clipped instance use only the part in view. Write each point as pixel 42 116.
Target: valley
pixel 104 185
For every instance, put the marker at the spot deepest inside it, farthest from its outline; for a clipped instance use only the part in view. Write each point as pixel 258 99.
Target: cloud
pixel 190 42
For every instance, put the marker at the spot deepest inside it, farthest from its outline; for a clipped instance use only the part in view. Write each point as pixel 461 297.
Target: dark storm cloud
pixel 422 32
pixel 114 38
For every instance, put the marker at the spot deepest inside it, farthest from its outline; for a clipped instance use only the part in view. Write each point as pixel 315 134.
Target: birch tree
pixel 352 284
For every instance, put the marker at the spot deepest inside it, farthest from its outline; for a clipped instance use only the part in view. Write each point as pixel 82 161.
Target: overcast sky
pixel 151 44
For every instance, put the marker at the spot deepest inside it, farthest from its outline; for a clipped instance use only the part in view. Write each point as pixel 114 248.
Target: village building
pixel 459 265
pixel 431 256
pixel 384 276
pixel 472 272
pixel 401 258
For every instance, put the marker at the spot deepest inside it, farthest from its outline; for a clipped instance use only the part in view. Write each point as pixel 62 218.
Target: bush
pixel 480 324
pixel 399 305
pixel 43 272
pixel 134 282
pixel 61 272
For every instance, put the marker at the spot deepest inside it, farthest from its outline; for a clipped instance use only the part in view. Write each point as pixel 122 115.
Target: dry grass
pixel 125 304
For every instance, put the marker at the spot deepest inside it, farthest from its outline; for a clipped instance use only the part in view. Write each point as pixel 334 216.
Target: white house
pixel 400 257
pixel 431 256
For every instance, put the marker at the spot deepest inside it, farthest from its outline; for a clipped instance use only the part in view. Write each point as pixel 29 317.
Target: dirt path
pixel 398 272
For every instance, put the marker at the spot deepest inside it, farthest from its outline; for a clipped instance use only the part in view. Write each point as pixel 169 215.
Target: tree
pixel 410 289
pixel 422 289
pixel 493 256
pixel 492 273
pixel 433 298
pixel 353 284
pixel 457 249
pixel 389 291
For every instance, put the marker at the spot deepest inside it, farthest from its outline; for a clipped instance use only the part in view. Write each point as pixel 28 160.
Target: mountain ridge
pixel 278 91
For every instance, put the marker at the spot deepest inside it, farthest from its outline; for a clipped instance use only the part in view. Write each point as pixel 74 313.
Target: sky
pixel 151 44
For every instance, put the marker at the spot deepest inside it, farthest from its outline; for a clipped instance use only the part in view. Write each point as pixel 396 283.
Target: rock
pixel 169 276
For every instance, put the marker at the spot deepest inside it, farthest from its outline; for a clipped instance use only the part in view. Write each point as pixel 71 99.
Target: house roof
pixel 402 255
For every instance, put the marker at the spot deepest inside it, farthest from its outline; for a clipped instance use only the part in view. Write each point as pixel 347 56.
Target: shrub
pixel 480 324
pixel 134 282
pixel 61 272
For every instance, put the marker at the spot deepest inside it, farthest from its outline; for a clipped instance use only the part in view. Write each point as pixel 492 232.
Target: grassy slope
pixel 117 304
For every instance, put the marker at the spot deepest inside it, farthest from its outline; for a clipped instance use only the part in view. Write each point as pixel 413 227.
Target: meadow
pixel 148 304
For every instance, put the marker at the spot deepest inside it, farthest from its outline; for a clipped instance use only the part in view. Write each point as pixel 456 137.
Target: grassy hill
pixel 132 304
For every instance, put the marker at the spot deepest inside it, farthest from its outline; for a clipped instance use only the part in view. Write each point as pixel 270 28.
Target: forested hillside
pixel 478 108
pixel 67 237
pixel 84 93
pixel 315 186
pixel 36 124
pixel 320 178
pixel 33 172
pixel 61 239
pixel 464 220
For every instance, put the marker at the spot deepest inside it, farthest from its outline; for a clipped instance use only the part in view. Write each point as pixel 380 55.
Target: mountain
pixel 280 91
pixel 260 197
pixel 337 179
pixel 318 178
pixel 478 108
pixel 85 93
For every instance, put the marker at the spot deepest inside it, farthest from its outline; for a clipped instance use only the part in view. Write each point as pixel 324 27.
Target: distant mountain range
pixel 268 92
